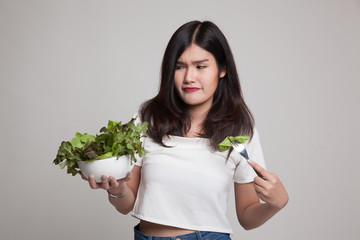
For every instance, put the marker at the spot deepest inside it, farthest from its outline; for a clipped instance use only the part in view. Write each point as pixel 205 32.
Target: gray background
pixel 68 66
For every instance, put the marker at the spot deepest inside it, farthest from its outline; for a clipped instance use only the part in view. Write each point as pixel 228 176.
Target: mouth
pixel 190 89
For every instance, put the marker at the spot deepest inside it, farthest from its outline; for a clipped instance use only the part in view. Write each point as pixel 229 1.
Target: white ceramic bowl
pixel 108 166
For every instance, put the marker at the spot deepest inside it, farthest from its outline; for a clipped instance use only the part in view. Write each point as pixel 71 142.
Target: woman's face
pixel 196 77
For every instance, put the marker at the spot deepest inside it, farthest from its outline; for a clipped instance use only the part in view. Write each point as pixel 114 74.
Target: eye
pixel 179 67
pixel 200 67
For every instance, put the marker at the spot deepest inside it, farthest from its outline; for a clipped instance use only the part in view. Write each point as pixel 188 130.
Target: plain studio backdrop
pixel 68 66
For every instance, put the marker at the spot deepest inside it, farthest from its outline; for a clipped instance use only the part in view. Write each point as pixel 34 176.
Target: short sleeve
pixel 244 172
pixel 138 160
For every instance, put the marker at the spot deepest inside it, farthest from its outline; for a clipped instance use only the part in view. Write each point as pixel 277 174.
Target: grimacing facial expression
pixel 196 77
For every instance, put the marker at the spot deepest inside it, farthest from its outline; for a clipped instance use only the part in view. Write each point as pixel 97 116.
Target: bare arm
pixel 250 212
pixel 129 184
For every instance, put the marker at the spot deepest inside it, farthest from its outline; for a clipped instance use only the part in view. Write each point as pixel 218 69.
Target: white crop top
pixel 187 186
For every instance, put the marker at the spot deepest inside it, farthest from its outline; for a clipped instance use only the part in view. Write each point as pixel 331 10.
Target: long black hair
pixel 228 115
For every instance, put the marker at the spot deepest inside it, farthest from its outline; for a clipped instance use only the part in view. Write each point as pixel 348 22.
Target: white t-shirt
pixel 187 185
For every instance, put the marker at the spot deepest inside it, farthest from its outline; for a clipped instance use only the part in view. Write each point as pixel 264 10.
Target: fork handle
pixel 257 173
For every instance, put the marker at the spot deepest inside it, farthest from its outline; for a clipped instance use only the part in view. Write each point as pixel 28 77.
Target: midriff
pixel 153 229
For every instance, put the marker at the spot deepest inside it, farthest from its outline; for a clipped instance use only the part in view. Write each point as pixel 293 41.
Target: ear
pixel 223 72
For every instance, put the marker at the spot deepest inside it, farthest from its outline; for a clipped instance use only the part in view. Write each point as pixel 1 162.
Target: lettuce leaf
pixel 226 143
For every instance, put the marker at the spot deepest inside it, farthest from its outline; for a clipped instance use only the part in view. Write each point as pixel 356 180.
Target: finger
pixel 261 191
pixel 258 190
pixel 260 171
pixel 92 182
pixel 260 183
pixel 104 182
pixel 113 182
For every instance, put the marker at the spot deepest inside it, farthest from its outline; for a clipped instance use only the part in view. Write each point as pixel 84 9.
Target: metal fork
pixel 240 148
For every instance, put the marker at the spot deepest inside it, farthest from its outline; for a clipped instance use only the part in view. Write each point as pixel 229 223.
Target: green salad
pixel 115 140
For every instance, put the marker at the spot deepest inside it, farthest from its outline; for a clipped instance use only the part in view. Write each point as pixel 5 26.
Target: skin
pixel 196 78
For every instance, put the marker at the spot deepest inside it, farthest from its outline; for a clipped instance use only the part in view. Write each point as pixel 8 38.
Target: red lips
pixel 190 89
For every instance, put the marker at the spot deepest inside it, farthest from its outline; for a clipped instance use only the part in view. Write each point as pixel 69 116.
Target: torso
pixel 153 229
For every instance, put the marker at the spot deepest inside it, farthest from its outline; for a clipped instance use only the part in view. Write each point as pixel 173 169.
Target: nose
pixel 189 76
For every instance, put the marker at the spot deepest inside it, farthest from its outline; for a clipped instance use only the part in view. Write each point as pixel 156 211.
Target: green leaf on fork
pixel 226 144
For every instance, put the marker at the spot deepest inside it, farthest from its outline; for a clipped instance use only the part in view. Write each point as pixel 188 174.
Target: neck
pixel 197 117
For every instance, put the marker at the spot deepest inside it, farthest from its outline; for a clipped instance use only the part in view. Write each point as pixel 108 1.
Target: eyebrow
pixel 194 62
